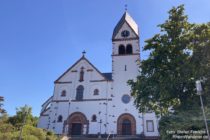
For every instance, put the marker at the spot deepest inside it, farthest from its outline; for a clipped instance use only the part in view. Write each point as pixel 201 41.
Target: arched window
pixel 121 49
pixel 79 94
pixel 129 49
pixel 63 93
pixel 94 118
pixel 60 118
pixel 81 77
pixel 96 92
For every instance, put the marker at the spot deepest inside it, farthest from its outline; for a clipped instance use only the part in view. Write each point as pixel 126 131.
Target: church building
pixel 89 102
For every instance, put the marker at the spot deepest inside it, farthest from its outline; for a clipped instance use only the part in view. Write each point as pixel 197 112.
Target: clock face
pixel 125 33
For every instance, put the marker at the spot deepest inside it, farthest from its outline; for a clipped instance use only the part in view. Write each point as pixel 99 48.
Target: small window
pixel 96 92
pixel 121 49
pixel 129 49
pixel 60 118
pixel 63 93
pixel 81 77
pixel 94 118
pixel 150 125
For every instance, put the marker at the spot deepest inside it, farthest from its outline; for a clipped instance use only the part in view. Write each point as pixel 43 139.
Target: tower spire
pixel 127 19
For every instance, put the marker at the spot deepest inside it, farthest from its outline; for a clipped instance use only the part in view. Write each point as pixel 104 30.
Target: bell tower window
pixel 121 49
pixel 129 49
pixel 81 77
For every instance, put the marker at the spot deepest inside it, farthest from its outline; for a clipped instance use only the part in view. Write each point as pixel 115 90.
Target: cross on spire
pixel 126 7
pixel 83 53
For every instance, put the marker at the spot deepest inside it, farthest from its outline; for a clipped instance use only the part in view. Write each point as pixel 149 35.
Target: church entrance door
pixel 76 129
pixel 126 124
pixel 77 124
pixel 126 127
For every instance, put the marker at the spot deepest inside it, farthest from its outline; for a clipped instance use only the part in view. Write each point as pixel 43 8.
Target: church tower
pixel 125 53
pixel 125 60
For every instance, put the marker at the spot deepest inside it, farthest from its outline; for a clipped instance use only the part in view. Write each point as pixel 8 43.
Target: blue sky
pixel 40 39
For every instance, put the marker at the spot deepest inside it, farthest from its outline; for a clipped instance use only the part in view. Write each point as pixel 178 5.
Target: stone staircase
pixel 115 138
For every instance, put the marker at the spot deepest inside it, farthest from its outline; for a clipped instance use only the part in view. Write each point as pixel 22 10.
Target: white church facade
pixel 88 102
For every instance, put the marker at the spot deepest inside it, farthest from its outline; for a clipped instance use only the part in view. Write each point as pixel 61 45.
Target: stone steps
pixel 116 138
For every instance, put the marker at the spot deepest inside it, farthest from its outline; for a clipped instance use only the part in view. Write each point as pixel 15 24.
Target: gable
pixel 125 26
pixel 73 73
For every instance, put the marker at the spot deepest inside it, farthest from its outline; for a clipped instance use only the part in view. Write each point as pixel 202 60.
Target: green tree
pixel 200 42
pixel 4 125
pixel 22 112
pixel 2 111
pixel 167 78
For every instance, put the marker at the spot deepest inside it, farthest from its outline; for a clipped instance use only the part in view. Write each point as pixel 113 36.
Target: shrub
pixel 6 136
pixel 29 137
pixel 4 128
pixel 36 132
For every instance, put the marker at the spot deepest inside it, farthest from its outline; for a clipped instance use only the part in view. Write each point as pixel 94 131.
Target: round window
pixel 126 99
pixel 125 33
